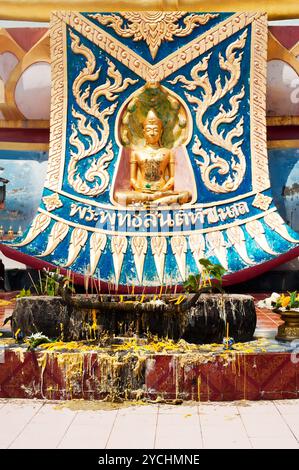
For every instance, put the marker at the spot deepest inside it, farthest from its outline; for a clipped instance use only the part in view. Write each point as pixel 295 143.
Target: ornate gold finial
pixel 153 27
pixel 152 118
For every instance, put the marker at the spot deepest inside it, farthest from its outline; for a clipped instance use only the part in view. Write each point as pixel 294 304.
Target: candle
pixel 227 332
pixel 161 290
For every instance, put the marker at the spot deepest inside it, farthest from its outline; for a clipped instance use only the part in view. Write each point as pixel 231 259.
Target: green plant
pixel 53 283
pixel 193 283
pixel 36 339
pixel 205 280
pixel 213 270
pixel 287 301
pixel 294 301
pixel 24 293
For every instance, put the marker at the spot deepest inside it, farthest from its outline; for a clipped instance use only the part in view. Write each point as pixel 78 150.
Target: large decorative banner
pixel 158 149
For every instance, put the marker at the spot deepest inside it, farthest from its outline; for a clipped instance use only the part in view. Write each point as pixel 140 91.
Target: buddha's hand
pixel 134 185
pixel 158 194
pixel 169 185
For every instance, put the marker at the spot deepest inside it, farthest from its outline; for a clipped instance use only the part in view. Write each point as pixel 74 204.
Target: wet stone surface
pixel 196 320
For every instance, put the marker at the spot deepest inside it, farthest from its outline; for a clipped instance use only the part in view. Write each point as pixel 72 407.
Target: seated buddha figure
pixel 152 169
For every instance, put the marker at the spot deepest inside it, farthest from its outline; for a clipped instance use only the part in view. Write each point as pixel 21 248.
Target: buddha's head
pixel 152 128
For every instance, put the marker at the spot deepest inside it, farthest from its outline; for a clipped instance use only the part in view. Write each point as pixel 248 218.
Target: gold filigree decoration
pixel 169 109
pixel 256 230
pixel 235 169
pixel 58 103
pixel 277 224
pixel 218 247
pixel 236 237
pixel 98 167
pixel 156 73
pixel 89 103
pixel 259 153
pixel 78 239
pixel 197 245
pixel 153 27
pixel 52 202
pixel 261 201
pixel 159 249
pixel 39 224
pixel 58 233
pixel 179 249
pixel 139 249
pixel 97 244
pixel 119 245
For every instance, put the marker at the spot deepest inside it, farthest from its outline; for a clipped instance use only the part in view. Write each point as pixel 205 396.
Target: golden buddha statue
pixel 152 170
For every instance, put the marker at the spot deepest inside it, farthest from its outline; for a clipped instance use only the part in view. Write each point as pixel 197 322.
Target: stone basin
pixel 196 319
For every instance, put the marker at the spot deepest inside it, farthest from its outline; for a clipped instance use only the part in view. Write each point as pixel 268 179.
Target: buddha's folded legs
pixel 130 197
pixel 168 197
pixel 175 198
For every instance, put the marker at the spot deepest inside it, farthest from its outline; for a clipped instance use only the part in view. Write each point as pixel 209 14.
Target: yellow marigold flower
pixel 285 301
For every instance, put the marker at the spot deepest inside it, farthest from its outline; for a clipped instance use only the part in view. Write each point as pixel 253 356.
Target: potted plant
pixel 288 308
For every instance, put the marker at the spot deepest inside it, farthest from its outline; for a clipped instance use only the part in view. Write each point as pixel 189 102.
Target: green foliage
pixel 214 270
pixel 34 340
pixel 294 301
pixel 193 283
pixel 24 293
pixel 202 282
pixel 287 301
pixel 52 283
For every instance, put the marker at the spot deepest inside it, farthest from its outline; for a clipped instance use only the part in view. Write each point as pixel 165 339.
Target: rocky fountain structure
pixel 195 319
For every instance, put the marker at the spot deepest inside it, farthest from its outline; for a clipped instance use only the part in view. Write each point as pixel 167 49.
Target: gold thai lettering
pixel 166 219
pixel 151 220
pixel 212 215
pixel 233 211
pixel 86 213
pixel 179 220
pixel 107 217
pixel 124 219
pixel 137 221
pixel 196 216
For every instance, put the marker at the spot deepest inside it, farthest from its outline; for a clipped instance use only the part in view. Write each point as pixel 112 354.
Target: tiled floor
pixel 42 424
pixel 267 320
